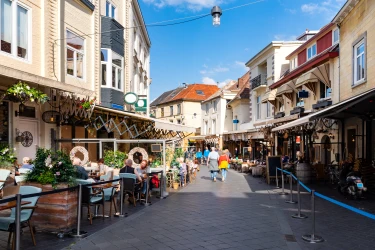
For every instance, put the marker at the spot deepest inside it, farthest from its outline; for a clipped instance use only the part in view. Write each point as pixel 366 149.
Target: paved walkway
pixel 236 214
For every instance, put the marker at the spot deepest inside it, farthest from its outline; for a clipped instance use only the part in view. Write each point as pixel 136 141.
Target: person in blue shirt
pixel 26 163
pixel 198 155
pixel 205 154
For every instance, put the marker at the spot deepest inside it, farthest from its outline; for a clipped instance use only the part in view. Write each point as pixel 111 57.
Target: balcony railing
pixel 259 81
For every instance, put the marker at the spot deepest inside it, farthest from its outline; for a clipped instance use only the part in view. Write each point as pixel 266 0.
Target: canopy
pixel 286 89
pixel 270 97
pixel 320 73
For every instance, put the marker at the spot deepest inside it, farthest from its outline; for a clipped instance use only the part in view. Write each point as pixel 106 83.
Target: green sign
pixel 141 105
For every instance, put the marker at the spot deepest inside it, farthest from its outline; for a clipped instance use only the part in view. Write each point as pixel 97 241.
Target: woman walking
pixel 223 164
pixel 213 163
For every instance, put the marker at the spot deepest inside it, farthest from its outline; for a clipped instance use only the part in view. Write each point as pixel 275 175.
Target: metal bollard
pixel 161 185
pixel 312 238
pixel 282 185
pixel 291 191
pixel 18 222
pixel 79 234
pixel 299 215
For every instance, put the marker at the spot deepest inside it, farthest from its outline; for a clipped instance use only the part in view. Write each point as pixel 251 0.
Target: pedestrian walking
pixel 198 155
pixel 223 164
pixel 213 163
pixel 205 155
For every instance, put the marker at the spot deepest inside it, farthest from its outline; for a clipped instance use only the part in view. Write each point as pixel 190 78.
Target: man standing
pixel 205 154
pixel 213 163
pixel 198 155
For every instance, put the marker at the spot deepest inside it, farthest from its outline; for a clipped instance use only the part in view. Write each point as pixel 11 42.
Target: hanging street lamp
pixel 216 13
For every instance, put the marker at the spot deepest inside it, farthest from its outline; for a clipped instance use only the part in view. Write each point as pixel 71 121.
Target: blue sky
pixel 197 52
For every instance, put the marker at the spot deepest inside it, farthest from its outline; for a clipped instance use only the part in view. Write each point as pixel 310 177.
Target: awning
pixel 236 132
pixel 320 73
pixel 283 119
pixel 257 124
pixel 196 137
pixel 362 105
pixel 270 97
pixel 292 124
pixel 158 124
pixel 286 89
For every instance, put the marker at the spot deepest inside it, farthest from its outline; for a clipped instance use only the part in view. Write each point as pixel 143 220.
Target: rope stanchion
pixel 291 191
pixel 312 238
pixel 299 215
pixel 282 185
pixel 79 233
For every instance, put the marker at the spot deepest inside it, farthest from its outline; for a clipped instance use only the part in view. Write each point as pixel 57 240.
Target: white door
pixel 28 146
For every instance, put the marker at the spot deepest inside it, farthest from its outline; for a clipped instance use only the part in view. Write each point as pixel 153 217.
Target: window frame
pixel 14 30
pixel 75 51
pixel 299 101
pixel 213 126
pixel 109 64
pixel 171 110
pixel 161 112
pixel 111 7
pixel 178 109
pixel 258 108
pixel 207 108
pixel 357 43
pixel 214 106
pixel 333 36
pixel 268 110
pixel 307 52
pixel 326 97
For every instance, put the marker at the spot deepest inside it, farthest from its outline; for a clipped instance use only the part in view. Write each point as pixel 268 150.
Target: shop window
pixel 325 91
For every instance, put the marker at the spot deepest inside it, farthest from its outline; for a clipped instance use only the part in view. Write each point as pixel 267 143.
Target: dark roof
pixel 166 96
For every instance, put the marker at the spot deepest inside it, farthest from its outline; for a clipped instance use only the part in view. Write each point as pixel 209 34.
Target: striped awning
pixel 270 97
pixel 320 73
pixel 286 89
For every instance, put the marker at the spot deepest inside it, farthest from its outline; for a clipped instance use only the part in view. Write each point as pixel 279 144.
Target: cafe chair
pixel 130 185
pixel 7 224
pixel 91 198
pixel 110 193
pixel 4 174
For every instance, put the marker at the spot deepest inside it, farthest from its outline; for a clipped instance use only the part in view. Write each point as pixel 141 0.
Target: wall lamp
pixel 21 109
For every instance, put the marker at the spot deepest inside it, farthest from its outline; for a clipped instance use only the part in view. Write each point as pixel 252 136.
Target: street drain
pixel 290 238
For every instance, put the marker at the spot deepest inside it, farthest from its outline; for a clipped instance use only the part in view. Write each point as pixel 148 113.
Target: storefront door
pixel 30 142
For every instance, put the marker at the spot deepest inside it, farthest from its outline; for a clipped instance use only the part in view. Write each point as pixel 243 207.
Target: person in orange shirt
pixel 223 164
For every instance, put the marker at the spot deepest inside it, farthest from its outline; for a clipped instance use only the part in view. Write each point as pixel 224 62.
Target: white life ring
pixel 138 150
pixel 83 151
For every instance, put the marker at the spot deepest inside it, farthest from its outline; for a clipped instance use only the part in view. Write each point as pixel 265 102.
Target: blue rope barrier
pixel 353 209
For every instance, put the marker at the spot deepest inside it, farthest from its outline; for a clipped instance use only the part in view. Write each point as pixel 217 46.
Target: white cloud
pixel 211 81
pixel 214 70
pixel 241 65
pixel 328 7
pixel 194 5
pixel 283 37
pixel 208 80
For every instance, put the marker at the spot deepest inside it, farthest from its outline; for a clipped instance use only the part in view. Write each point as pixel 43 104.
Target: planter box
pixel 322 104
pixel 55 212
pixel 297 110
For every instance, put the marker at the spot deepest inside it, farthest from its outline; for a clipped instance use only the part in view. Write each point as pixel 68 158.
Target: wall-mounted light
pixel 21 109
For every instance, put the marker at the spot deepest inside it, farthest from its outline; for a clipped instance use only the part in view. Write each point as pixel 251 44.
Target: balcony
pixel 259 81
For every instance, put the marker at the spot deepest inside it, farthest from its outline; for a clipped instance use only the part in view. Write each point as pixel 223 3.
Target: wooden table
pixel 12 204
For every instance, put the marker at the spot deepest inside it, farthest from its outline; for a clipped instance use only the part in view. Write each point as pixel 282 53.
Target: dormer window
pixel 199 92
pixel 311 52
pixel 293 63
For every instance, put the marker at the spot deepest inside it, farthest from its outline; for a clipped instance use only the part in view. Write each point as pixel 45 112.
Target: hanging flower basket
pixel 21 92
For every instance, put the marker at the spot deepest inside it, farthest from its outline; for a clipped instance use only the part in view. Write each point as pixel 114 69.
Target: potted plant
pixel 54 170
pixel 115 160
pixel 87 104
pixel 176 180
pixel 21 92
pixel 7 158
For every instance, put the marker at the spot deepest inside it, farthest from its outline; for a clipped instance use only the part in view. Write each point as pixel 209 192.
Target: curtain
pixel 22 34
pixel 6 25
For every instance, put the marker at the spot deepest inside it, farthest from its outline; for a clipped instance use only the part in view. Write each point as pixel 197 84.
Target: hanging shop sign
pixel 131 98
pixel 141 105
